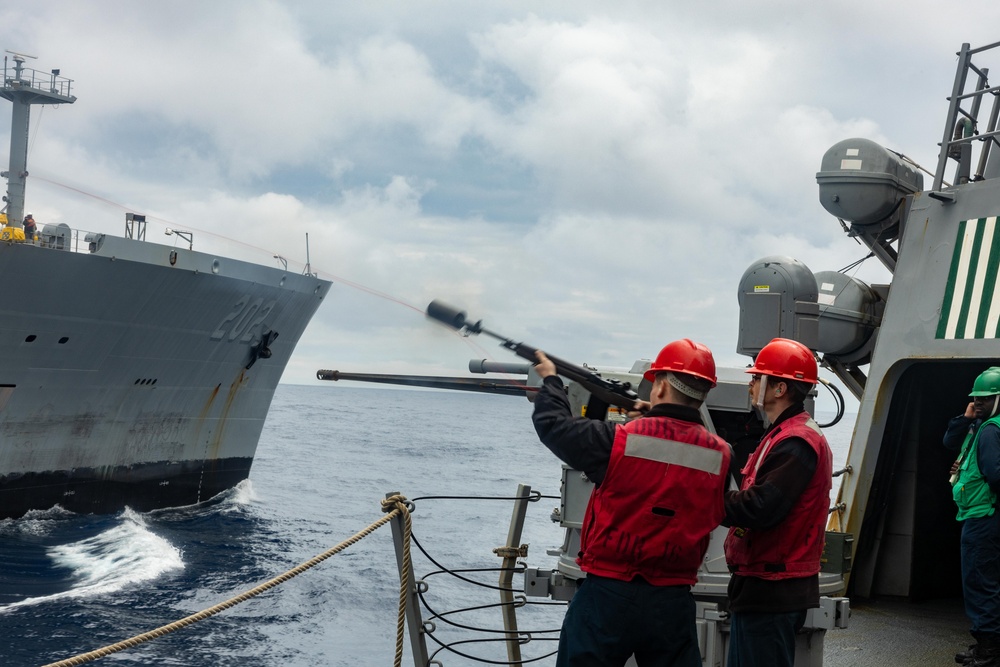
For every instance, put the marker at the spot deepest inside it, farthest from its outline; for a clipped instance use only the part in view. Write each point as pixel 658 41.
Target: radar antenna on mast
pixel 23 87
pixel 18 54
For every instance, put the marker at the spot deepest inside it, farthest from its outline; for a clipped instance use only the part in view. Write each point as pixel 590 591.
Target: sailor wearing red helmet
pixel 660 483
pixel 778 516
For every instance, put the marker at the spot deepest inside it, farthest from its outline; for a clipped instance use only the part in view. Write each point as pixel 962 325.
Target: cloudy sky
pixel 589 177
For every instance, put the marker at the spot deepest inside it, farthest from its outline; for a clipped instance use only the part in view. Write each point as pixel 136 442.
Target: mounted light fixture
pixel 187 236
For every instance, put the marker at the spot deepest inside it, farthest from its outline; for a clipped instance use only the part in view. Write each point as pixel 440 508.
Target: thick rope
pixel 393 506
pixel 399 502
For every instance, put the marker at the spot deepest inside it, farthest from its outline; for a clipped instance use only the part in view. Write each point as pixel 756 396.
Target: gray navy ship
pixel 134 374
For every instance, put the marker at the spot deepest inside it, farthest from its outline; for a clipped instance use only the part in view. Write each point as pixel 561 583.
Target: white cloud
pixel 592 178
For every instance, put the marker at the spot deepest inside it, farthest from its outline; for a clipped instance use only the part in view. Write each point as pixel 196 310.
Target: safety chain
pixel 393 506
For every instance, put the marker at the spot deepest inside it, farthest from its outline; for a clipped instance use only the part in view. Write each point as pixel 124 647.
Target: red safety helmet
pixel 788 359
pixel 684 356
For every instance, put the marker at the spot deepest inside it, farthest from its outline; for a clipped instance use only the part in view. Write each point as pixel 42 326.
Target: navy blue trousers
pixel 763 639
pixel 609 620
pixel 981 574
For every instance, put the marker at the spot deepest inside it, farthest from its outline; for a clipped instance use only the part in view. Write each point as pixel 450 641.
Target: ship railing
pixel 62 237
pixel 14 77
pixel 963 134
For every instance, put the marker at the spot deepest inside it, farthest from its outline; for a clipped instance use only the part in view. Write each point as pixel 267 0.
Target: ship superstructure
pixel 927 335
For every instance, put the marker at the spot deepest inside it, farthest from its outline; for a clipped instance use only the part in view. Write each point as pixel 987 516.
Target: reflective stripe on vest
pixel 671 451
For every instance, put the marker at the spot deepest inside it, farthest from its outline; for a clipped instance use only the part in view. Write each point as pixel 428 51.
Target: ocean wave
pixel 125 554
pixel 35 523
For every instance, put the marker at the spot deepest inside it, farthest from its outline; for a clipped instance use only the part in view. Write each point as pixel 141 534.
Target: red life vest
pixel 793 548
pixel 661 497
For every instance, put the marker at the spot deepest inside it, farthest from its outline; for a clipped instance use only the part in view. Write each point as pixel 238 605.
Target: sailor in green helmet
pixel 975 480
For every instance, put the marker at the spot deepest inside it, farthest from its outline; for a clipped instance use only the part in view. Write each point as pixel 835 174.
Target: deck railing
pixel 51 82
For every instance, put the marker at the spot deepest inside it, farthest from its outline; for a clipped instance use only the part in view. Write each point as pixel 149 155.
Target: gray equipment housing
pixel 777 297
pixel 849 315
pixel 864 183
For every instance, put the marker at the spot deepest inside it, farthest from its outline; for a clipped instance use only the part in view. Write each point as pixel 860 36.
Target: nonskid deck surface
pixel 899 634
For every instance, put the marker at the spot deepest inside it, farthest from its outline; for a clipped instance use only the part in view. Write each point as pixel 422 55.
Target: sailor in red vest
pixel 660 483
pixel 778 517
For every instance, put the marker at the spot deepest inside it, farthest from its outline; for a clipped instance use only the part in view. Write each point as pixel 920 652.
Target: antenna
pixel 308 270
pixel 17 55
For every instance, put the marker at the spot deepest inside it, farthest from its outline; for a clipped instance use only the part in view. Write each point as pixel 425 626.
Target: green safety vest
pixel 972 494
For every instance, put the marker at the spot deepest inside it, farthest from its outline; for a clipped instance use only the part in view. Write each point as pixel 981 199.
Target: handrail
pixel 47 81
pixel 957 144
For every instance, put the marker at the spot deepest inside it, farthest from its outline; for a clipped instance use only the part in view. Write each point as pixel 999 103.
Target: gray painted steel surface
pixel 124 367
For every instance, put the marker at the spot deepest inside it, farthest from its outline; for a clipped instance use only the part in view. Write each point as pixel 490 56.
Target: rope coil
pixel 394 506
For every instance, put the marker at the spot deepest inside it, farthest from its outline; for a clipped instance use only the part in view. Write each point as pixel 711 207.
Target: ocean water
pixel 328 455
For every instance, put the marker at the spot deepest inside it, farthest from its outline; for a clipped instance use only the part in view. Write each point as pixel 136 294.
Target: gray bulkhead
pixel 898 501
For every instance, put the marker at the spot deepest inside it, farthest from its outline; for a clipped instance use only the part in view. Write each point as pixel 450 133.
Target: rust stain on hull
pixel 212 449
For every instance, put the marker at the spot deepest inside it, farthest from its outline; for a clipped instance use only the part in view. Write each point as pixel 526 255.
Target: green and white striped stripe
pixel 971 306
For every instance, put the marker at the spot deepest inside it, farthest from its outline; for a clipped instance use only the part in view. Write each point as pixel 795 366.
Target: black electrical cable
pixel 838 398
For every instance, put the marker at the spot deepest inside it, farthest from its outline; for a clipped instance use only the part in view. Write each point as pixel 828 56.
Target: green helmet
pixel 988 383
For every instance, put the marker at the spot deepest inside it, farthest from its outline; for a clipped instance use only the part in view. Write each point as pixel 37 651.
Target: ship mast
pixel 24 87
